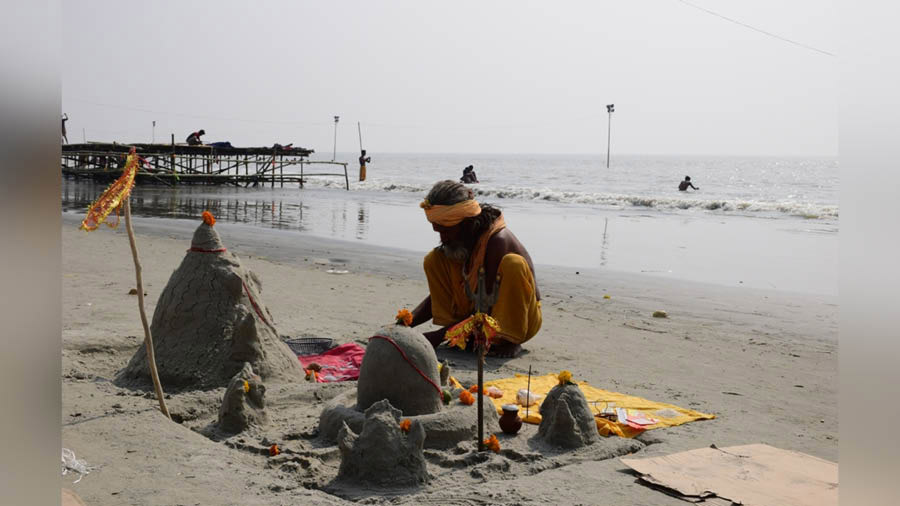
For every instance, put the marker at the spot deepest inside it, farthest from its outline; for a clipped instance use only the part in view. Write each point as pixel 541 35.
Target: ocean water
pixel 755 222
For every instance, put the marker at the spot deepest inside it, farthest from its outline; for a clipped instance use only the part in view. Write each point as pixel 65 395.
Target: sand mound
pixel 382 454
pixel 208 321
pixel 393 367
pixel 566 418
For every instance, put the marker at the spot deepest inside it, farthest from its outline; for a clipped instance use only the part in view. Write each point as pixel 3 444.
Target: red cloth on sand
pixel 340 363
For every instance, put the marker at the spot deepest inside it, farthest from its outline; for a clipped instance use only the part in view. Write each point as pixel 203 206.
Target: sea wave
pixel 801 209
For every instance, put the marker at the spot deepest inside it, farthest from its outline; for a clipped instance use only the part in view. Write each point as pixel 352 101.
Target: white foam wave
pixel 613 200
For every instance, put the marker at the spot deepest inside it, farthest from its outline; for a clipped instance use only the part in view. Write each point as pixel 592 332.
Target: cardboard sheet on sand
pixel 751 475
pixel 668 415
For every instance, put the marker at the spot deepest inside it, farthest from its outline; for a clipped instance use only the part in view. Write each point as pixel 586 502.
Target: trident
pixel 483 303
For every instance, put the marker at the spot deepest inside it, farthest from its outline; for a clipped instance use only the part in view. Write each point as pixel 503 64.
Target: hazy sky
pixel 456 77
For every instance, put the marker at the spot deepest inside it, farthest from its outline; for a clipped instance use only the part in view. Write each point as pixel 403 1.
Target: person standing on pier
pixel 65 117
pixel 194 138
pixel 363 159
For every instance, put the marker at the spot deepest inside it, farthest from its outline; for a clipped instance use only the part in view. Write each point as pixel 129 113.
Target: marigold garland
pixel 458 334
pixel 473 389
pixel 274 450
pixel 208 218
pixel 492 443
pixel 113 197
pixel 466 397
pixel 405 424
pixel 404 317
pixel 565 378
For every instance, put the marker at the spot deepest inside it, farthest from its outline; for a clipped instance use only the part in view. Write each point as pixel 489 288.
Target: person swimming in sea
pixel 684 185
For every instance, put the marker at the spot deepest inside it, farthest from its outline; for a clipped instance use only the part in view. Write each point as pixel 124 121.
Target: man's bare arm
pixel 422 312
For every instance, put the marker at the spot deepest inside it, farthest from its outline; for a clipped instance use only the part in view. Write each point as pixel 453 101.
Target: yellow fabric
pixel 449 216
pixel 362 172
pixel 597 398
pixel 517 310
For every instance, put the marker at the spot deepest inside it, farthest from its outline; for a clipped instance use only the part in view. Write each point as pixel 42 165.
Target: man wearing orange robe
pixel 475 236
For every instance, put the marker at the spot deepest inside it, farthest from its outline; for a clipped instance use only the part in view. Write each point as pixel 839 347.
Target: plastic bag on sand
pixel 493 392
pixel 526 398
pixel 70 463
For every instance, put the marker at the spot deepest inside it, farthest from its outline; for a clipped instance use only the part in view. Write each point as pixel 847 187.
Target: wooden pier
pixel 175 164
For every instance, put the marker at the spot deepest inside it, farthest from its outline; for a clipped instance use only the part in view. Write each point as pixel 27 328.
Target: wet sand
pixel 763 361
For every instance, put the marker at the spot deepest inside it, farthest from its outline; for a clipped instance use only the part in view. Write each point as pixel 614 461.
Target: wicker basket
pixel 310 345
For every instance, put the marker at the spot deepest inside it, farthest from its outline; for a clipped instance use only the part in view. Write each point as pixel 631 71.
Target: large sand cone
pixel 209 320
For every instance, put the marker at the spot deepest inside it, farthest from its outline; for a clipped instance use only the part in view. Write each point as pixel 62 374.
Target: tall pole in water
pixel 153 135
pixel 610 108
pixel 334 156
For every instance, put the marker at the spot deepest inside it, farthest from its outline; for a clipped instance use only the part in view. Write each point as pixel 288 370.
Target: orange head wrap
pixel 448 216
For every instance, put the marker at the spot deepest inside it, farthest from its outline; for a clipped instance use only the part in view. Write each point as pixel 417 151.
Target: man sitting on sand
pixel 475 236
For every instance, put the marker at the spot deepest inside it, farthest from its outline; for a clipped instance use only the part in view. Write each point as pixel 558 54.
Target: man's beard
pixel 455 250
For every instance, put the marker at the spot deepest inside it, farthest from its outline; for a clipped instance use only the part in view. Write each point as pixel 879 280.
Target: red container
pixel 510 422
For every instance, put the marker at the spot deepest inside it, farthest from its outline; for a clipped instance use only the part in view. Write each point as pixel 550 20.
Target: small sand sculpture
pixel 393 373
pixel 566 418
pixel 208 321
pixel 244 404
pixel 383 454
pixel 400 366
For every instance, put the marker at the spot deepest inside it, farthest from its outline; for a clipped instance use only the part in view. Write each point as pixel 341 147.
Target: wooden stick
pixel 528 392
pixel 481 352
pixel 148 339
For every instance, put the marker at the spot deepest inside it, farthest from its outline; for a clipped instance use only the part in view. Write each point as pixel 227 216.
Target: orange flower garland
pixel 492 443
pixel 208 218
pixel 405 424
pixel 466 397
pixel 273 450
pixel 404 317
pixel 458 334
pixel 113 197
pixel 473 389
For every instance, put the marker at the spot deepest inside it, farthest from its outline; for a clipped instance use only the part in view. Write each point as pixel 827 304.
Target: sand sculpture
pixel 244 403
pixel 566 418
pixel 410 383
pixel 383 454
pixel 387 372
pixel 209 321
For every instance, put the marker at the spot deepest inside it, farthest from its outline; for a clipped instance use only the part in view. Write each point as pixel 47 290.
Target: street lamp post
pixel 334 156
pixel 610 108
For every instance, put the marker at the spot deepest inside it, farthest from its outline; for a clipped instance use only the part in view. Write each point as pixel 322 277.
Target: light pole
pixel 153 135
pixel 610 108
pixel 334 156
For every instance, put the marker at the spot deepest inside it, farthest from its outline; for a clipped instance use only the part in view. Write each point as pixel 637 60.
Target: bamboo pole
pixel 148 339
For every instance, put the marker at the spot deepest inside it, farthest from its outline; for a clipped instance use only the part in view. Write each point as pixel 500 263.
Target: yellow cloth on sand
pixel 517 309
pixel 668 415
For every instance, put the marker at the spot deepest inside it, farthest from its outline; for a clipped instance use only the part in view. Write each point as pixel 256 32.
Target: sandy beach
pixel 763 361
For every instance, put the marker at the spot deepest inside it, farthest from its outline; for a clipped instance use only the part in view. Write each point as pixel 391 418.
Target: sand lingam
pixel 400 366
pixel 566 418
pixel 209 321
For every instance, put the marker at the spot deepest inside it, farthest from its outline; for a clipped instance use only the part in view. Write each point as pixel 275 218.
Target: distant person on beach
pixel 65 117
pixel 363 160
pixel 194 138
pixel 475 236
pixel 469 176
pixel 684 185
